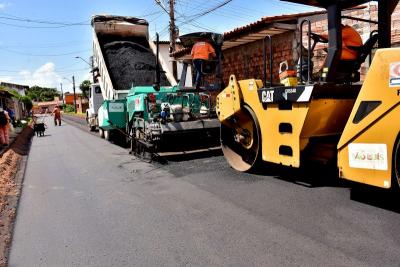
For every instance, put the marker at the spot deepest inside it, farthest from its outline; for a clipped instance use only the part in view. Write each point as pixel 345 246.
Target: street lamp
pixel 73 88
pixel 90 64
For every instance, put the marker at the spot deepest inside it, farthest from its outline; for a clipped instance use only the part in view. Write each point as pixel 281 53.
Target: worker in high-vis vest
pixel 201 51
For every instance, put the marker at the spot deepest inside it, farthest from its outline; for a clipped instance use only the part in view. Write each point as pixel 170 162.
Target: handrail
pixel 265 59
pixel 370 53
pixel 308 52
pixel 156 85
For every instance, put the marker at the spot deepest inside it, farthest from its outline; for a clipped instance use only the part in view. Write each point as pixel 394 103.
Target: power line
pixel 45 46
pixel 43 55
pixel 45 21
pixel 34 27
pixel 150 14
pixel 232 9
pixel 158 2
pixel 201 14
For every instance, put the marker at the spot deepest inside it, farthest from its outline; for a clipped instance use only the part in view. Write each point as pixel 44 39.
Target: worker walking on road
pixel 57 115
pixel 201 52
pixel 4 127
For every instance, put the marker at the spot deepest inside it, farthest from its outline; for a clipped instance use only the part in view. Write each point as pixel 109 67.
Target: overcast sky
pixel 39 39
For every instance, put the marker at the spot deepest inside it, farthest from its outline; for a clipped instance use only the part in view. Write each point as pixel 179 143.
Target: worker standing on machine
pixel 201 52
pixel 351 40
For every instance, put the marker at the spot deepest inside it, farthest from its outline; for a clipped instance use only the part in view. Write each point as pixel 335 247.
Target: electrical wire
pixel 45 21
pixel 194 17
pixel 45 46
pixel 32 27
pixel 231 9
pixel 42 55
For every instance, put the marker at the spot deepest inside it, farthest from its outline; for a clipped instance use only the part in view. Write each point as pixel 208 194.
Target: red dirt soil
pixel 10 188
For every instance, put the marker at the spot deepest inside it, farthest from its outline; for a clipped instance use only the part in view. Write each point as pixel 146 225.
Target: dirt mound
pixel 131 64
pixel 21 144
pixel 10 188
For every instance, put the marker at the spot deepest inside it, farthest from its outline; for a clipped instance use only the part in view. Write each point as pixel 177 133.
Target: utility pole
pixel 73 88
pixel 172 35
pixel 62 94
pixel 92 63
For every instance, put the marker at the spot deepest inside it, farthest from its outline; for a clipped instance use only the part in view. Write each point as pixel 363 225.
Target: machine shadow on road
pixel 315 176
pixel 378 197
pixel 164 159
pixel 44 135
pixel 322 176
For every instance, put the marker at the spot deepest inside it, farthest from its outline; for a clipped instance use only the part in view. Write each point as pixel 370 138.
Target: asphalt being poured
pixel 131 63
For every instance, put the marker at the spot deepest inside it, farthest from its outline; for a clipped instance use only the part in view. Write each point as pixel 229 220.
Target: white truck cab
pixel 95 102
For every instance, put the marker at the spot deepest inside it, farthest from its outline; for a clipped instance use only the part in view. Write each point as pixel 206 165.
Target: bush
pixel 21 123
pixel 69 108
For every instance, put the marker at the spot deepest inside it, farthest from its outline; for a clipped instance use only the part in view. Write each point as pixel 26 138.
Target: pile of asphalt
pixel 131 64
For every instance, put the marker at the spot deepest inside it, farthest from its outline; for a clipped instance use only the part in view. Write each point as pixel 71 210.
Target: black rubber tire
pixel 239 158
pixel 107 135
pixel 396 166
pixel 101 133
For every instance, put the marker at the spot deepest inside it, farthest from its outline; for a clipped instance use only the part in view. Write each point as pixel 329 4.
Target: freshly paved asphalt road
pixel 86 202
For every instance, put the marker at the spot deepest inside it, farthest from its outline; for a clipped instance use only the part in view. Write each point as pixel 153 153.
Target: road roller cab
pixel 331 119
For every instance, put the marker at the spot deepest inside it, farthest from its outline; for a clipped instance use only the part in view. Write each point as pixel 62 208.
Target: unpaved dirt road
pixel 86 202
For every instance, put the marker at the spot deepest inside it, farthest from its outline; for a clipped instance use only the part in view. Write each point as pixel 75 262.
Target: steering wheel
pixel 318 38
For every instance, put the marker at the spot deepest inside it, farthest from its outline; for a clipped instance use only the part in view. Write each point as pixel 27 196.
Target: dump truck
pixel 95 102
pixel 177 118
pixel 143 103
pixel 335 118
pixel 123 56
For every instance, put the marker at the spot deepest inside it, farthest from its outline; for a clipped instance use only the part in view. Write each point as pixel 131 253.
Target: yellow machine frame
pixel 363 147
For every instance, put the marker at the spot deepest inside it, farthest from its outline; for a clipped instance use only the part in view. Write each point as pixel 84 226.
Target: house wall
pixel 319 25
pixel 81 103
pixel 14 103
pixel 69 98
pixel 246 61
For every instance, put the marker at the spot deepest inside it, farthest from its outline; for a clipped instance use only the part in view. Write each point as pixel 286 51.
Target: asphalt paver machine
pixel 335 118
pixel 164 120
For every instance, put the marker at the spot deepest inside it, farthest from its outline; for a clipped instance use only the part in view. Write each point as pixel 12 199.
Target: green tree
pixel 27 102
pixel 38 93
pixel 85 87
pixel 69 108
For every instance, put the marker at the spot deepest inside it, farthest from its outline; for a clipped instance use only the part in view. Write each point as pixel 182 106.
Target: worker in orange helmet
pixel 201 52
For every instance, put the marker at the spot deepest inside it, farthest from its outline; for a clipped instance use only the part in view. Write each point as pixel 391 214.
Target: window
pixel 365 108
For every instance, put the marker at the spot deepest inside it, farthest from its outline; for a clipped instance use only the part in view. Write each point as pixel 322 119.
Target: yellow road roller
pixel 335 118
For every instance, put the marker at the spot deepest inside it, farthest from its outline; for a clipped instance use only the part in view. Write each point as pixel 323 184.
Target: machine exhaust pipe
pixel 156 84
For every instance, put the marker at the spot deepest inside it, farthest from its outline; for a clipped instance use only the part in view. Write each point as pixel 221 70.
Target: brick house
pixel 81 103
pixel 243 46
pixel 367 12
pixel 46 106
pixel 12 102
